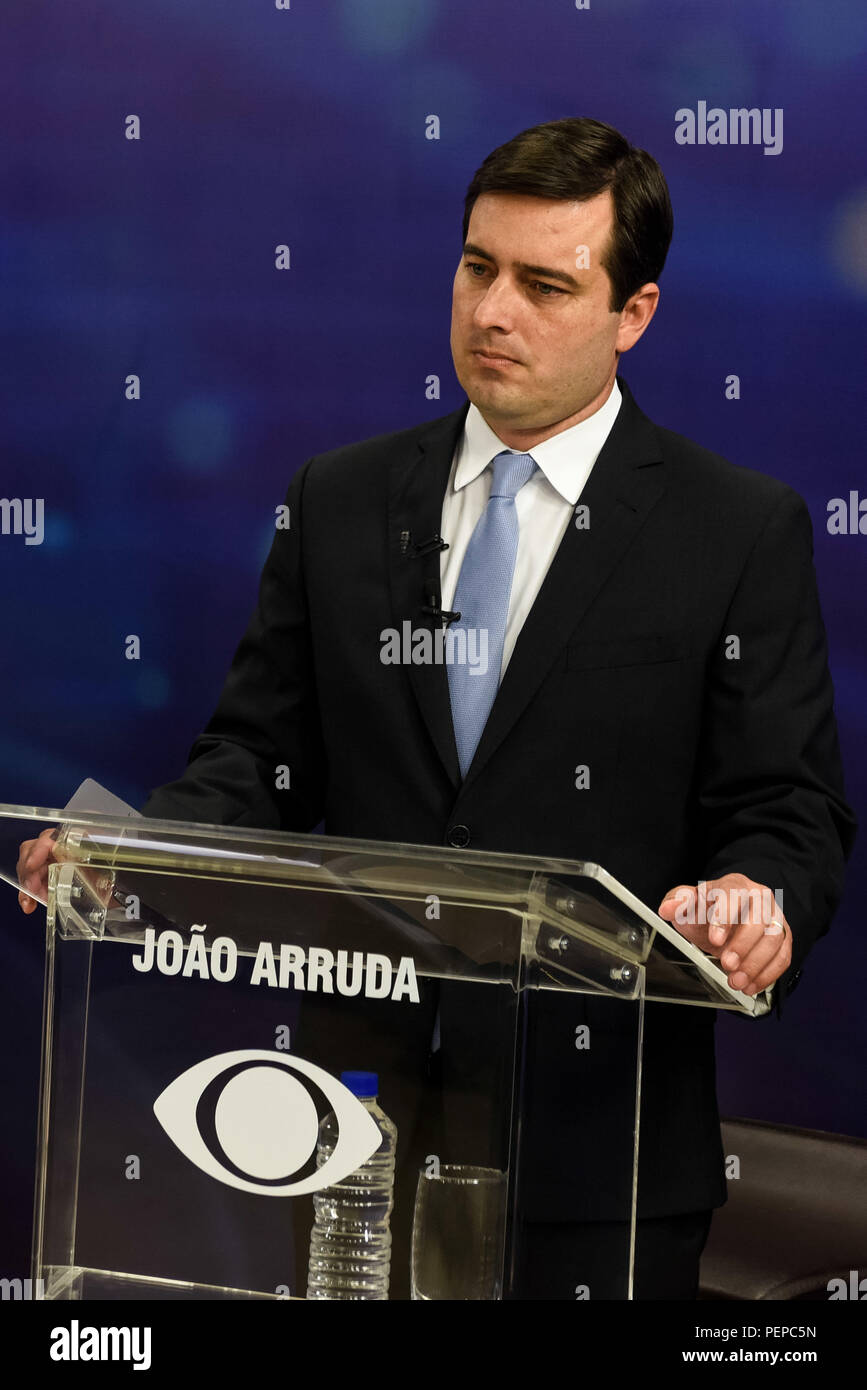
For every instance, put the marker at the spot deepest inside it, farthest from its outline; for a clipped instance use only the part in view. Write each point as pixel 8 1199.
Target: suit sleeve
pixel 267 718
pixel 771 792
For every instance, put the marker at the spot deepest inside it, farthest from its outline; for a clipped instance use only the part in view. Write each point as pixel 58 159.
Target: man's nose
pixel 497 306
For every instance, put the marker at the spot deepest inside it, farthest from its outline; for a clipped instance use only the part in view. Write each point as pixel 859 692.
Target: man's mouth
pixel 493 359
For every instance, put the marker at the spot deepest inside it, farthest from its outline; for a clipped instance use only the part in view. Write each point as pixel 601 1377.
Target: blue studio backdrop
pixel 168 368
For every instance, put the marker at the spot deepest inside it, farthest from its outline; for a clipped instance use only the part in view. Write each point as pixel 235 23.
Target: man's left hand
pixel 738 921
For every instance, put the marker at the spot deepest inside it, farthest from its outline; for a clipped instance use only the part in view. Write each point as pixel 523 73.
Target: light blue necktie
pixel 482 599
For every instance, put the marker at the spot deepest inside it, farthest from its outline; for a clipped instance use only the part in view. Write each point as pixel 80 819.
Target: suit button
pixel 459 836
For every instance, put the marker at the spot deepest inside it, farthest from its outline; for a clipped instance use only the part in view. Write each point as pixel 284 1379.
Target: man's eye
pixel 541 285
pixel 545 290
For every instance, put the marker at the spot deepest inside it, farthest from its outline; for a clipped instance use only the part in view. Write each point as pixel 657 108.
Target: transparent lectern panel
pixel 584 926
pixel 191 1061
pixel 206 988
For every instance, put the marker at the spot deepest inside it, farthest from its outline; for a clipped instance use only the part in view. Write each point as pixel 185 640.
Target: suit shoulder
pixel 722 481
pixel 379 450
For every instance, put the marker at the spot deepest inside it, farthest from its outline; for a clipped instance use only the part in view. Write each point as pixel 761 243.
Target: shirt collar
pixel 565 459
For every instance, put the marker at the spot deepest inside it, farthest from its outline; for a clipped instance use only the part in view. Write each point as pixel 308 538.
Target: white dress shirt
pixel 544 505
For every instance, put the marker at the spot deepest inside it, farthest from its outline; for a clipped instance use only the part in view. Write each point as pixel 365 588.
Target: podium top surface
pixel 574 897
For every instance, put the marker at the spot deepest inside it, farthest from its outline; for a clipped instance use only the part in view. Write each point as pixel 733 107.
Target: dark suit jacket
pixel 699 764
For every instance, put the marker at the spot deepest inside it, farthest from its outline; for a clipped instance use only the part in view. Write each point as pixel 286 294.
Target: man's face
pixel 559 333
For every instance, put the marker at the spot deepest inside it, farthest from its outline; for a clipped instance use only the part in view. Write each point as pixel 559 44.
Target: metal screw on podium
pixel 630 937
pixel 622 974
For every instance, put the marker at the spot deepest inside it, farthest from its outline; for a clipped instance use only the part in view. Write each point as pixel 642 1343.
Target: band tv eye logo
pixel 247 1120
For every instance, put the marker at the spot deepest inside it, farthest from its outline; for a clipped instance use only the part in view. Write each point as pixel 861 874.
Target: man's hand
pixel 738 921
pixel 34 858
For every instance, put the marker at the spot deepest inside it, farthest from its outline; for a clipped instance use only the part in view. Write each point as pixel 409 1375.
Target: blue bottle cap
pixel 361 1083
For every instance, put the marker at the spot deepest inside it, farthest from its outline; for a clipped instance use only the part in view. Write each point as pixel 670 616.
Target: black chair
pixel 795 1218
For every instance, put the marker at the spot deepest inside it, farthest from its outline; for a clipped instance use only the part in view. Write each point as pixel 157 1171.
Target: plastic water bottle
pixel 350 1244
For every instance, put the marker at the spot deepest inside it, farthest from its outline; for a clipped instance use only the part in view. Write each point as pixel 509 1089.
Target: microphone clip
pixel 445 615
pixel 415 551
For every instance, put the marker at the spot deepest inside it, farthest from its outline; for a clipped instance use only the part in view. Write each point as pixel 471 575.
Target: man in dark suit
pixel 661 702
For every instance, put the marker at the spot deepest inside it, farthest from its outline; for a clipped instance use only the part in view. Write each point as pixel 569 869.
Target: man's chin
pixel 498 404
pixel 484 388
pixel 494 396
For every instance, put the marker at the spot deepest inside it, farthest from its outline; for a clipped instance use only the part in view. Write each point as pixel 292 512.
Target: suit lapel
pixel 417 487
pixel 622 488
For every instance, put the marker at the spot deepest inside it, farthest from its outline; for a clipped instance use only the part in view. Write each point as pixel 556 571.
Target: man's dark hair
pixel 575 159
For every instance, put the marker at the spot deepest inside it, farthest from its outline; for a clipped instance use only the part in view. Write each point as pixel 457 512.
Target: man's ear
pixel 636 315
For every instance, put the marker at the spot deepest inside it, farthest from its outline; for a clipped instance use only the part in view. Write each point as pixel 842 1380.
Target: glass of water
pixel 458 1233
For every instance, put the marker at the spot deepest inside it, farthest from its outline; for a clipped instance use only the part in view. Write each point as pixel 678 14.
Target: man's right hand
pixel 33 860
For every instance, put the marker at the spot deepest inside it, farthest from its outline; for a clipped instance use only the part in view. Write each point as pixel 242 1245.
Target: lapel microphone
pixel 432 546
pixel 432 607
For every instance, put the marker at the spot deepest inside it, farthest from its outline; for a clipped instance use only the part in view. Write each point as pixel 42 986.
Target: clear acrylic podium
pixel 204 989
